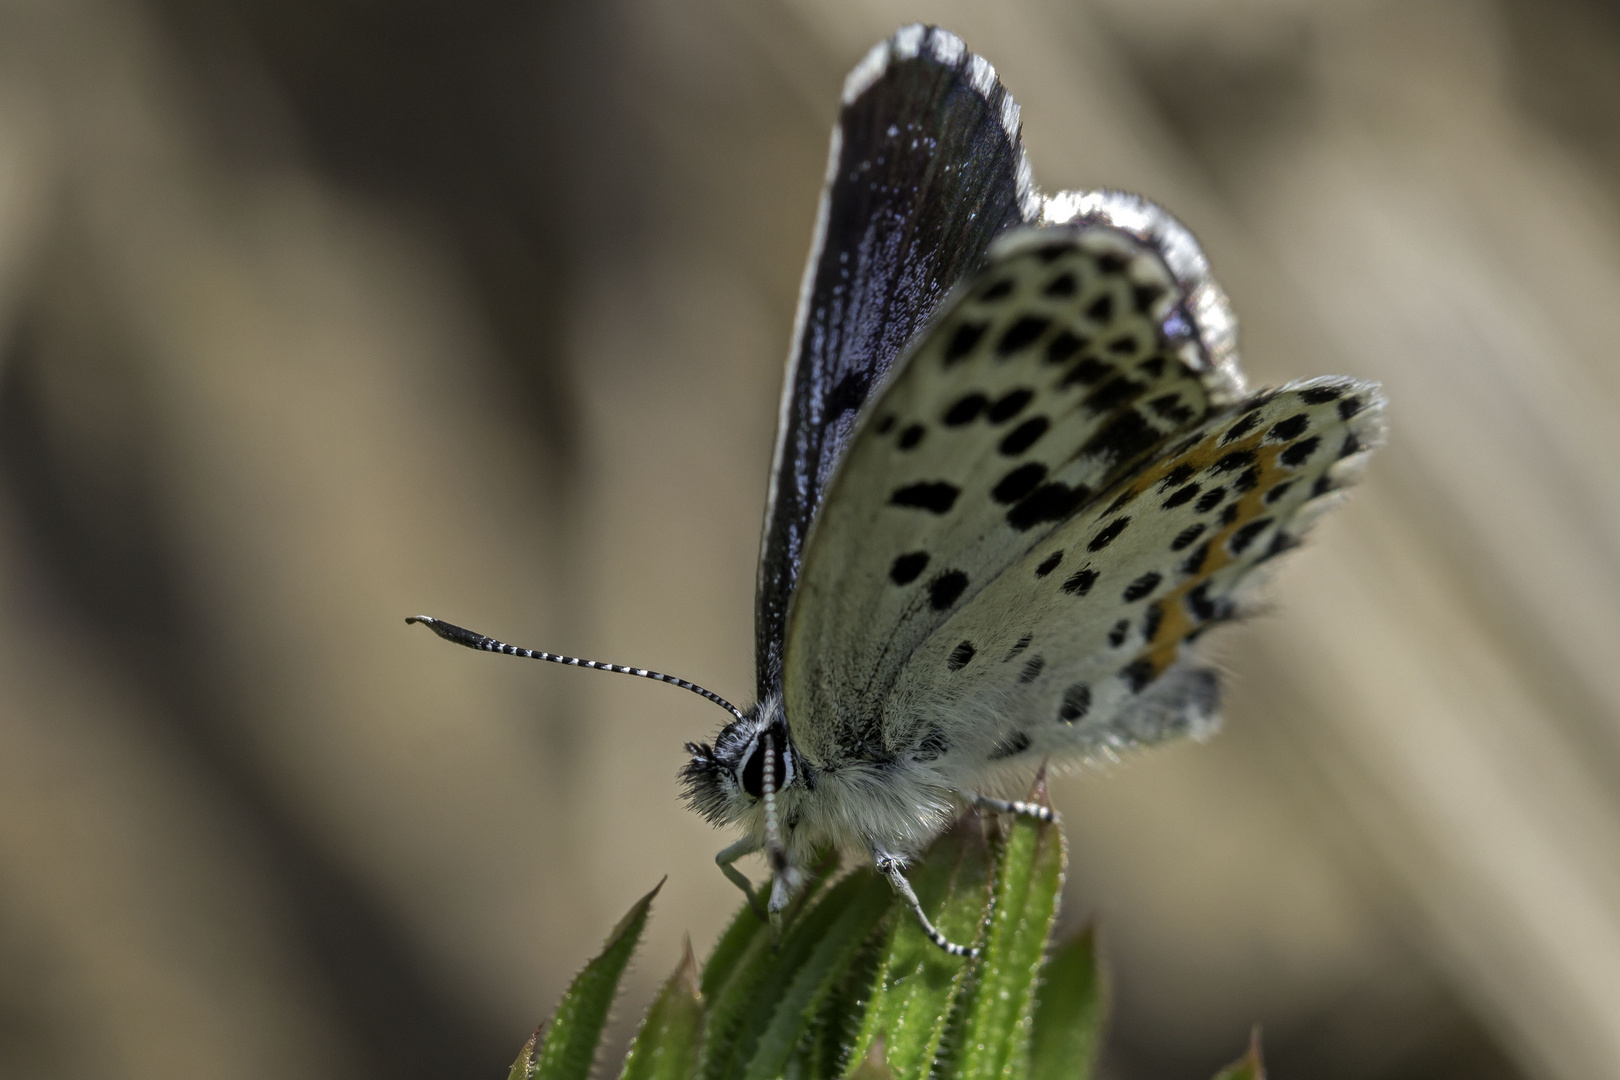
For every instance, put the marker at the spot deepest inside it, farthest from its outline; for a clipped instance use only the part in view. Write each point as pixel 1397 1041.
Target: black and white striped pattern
pixel 894 868
pixel 1014 806
pixel 462 636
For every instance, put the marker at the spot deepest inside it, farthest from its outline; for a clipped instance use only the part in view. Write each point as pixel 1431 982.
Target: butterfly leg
pixel 894 868
pixel 745 846
pixel 1009 806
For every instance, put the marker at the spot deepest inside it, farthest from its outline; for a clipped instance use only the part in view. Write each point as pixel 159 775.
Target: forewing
pixel 1076 646
pixel 1051 377
pixel 925 169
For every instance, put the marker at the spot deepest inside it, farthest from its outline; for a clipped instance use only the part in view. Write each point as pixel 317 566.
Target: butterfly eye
pixel 753 772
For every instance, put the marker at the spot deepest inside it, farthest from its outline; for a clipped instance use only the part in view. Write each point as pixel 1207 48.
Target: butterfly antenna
pixel 462 636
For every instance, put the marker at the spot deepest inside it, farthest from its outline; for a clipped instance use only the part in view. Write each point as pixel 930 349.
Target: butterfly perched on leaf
pixel 1017 476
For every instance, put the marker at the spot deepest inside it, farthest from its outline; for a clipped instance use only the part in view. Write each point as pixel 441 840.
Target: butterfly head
pixel 727 780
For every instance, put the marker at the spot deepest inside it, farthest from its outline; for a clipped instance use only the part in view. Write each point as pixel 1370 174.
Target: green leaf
pixel 814 954
pixel 524 1065
pixel 912 997
pixel 734 992
pixel 738 941
pixel 1249 1066
pixel 666 1046
pixel 1070 1014
pixel 576 1027
pixel 999 1014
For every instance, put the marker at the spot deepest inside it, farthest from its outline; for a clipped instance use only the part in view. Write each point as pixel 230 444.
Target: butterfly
pixel 1017 476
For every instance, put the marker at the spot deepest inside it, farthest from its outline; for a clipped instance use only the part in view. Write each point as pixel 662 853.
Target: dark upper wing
pixel 926 168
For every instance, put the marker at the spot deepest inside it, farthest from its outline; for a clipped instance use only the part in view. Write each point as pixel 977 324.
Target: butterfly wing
pixel 926 167
pixel 1080 645
pixel 1048 386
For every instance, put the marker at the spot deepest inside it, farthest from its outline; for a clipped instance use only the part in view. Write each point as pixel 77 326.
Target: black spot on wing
pixel 1108 534
pixel 908 568
pixel 1125 345
pixel 1049 564
pixel 1076 703
pixel 1280 542
pixel 1011 746
pixel 961 656
pixel 1195 562
pixel 1321 395
pixel 1290 429
pixel 1230 514
pixel 885 425
pixel 1023 436
pixel 1187 536
pixel 998 290
pixel 1199 603
pixel 1116 636
pixel 936 497
pixel 1181 495
pixel 1063 346
pixel 1032 669
pixel 1153 366
pixel 1323 485
pixel 1142 586
pixel 1350 445
pixel 1049 502
pixel 1137 674
pixel 1102 308
pixel 1120 503
pixel 1350 406
pixel 1080 582
pixel 1022 334
pixel 964 341
pixel 1237 459
pixel 1062 285
pixel 1172 408
pixel 1212 498
pixel 1300 452
pixel 1176 477
pixel 1145 296
pixel 934 744
pixel 1010 405
pixel 911 436
pixel 1018 646
pixel 1278 492
pixel 1241 428
pixel 965 410
pixel 1244 536
pixel 1151 620
pixel 1247 480
pixel 1088 372
pixel 1050 253
pixel 1018 483
pixel 1110 263
pixel 1124 437
pixel 1112 394
pixel 946 589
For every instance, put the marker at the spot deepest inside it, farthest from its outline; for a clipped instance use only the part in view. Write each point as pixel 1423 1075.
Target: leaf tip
pixel 1037 791
pixel 1251 1066
pixel 686 973
pixel 875 1065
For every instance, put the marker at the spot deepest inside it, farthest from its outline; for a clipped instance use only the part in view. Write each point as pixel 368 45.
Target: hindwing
pixel 1078 646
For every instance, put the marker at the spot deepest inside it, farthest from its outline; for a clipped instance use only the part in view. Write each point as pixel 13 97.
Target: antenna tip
pixel 425 620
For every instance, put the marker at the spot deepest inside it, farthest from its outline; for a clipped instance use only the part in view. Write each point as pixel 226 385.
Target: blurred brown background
pixel 319 314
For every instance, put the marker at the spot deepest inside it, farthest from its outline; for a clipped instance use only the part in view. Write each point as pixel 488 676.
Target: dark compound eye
pixel 753 773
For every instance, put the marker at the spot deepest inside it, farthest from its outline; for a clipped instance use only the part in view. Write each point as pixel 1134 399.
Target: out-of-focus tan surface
pixel 317 315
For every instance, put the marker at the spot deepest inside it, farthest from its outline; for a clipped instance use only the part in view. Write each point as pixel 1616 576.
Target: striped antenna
pixel 462 636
